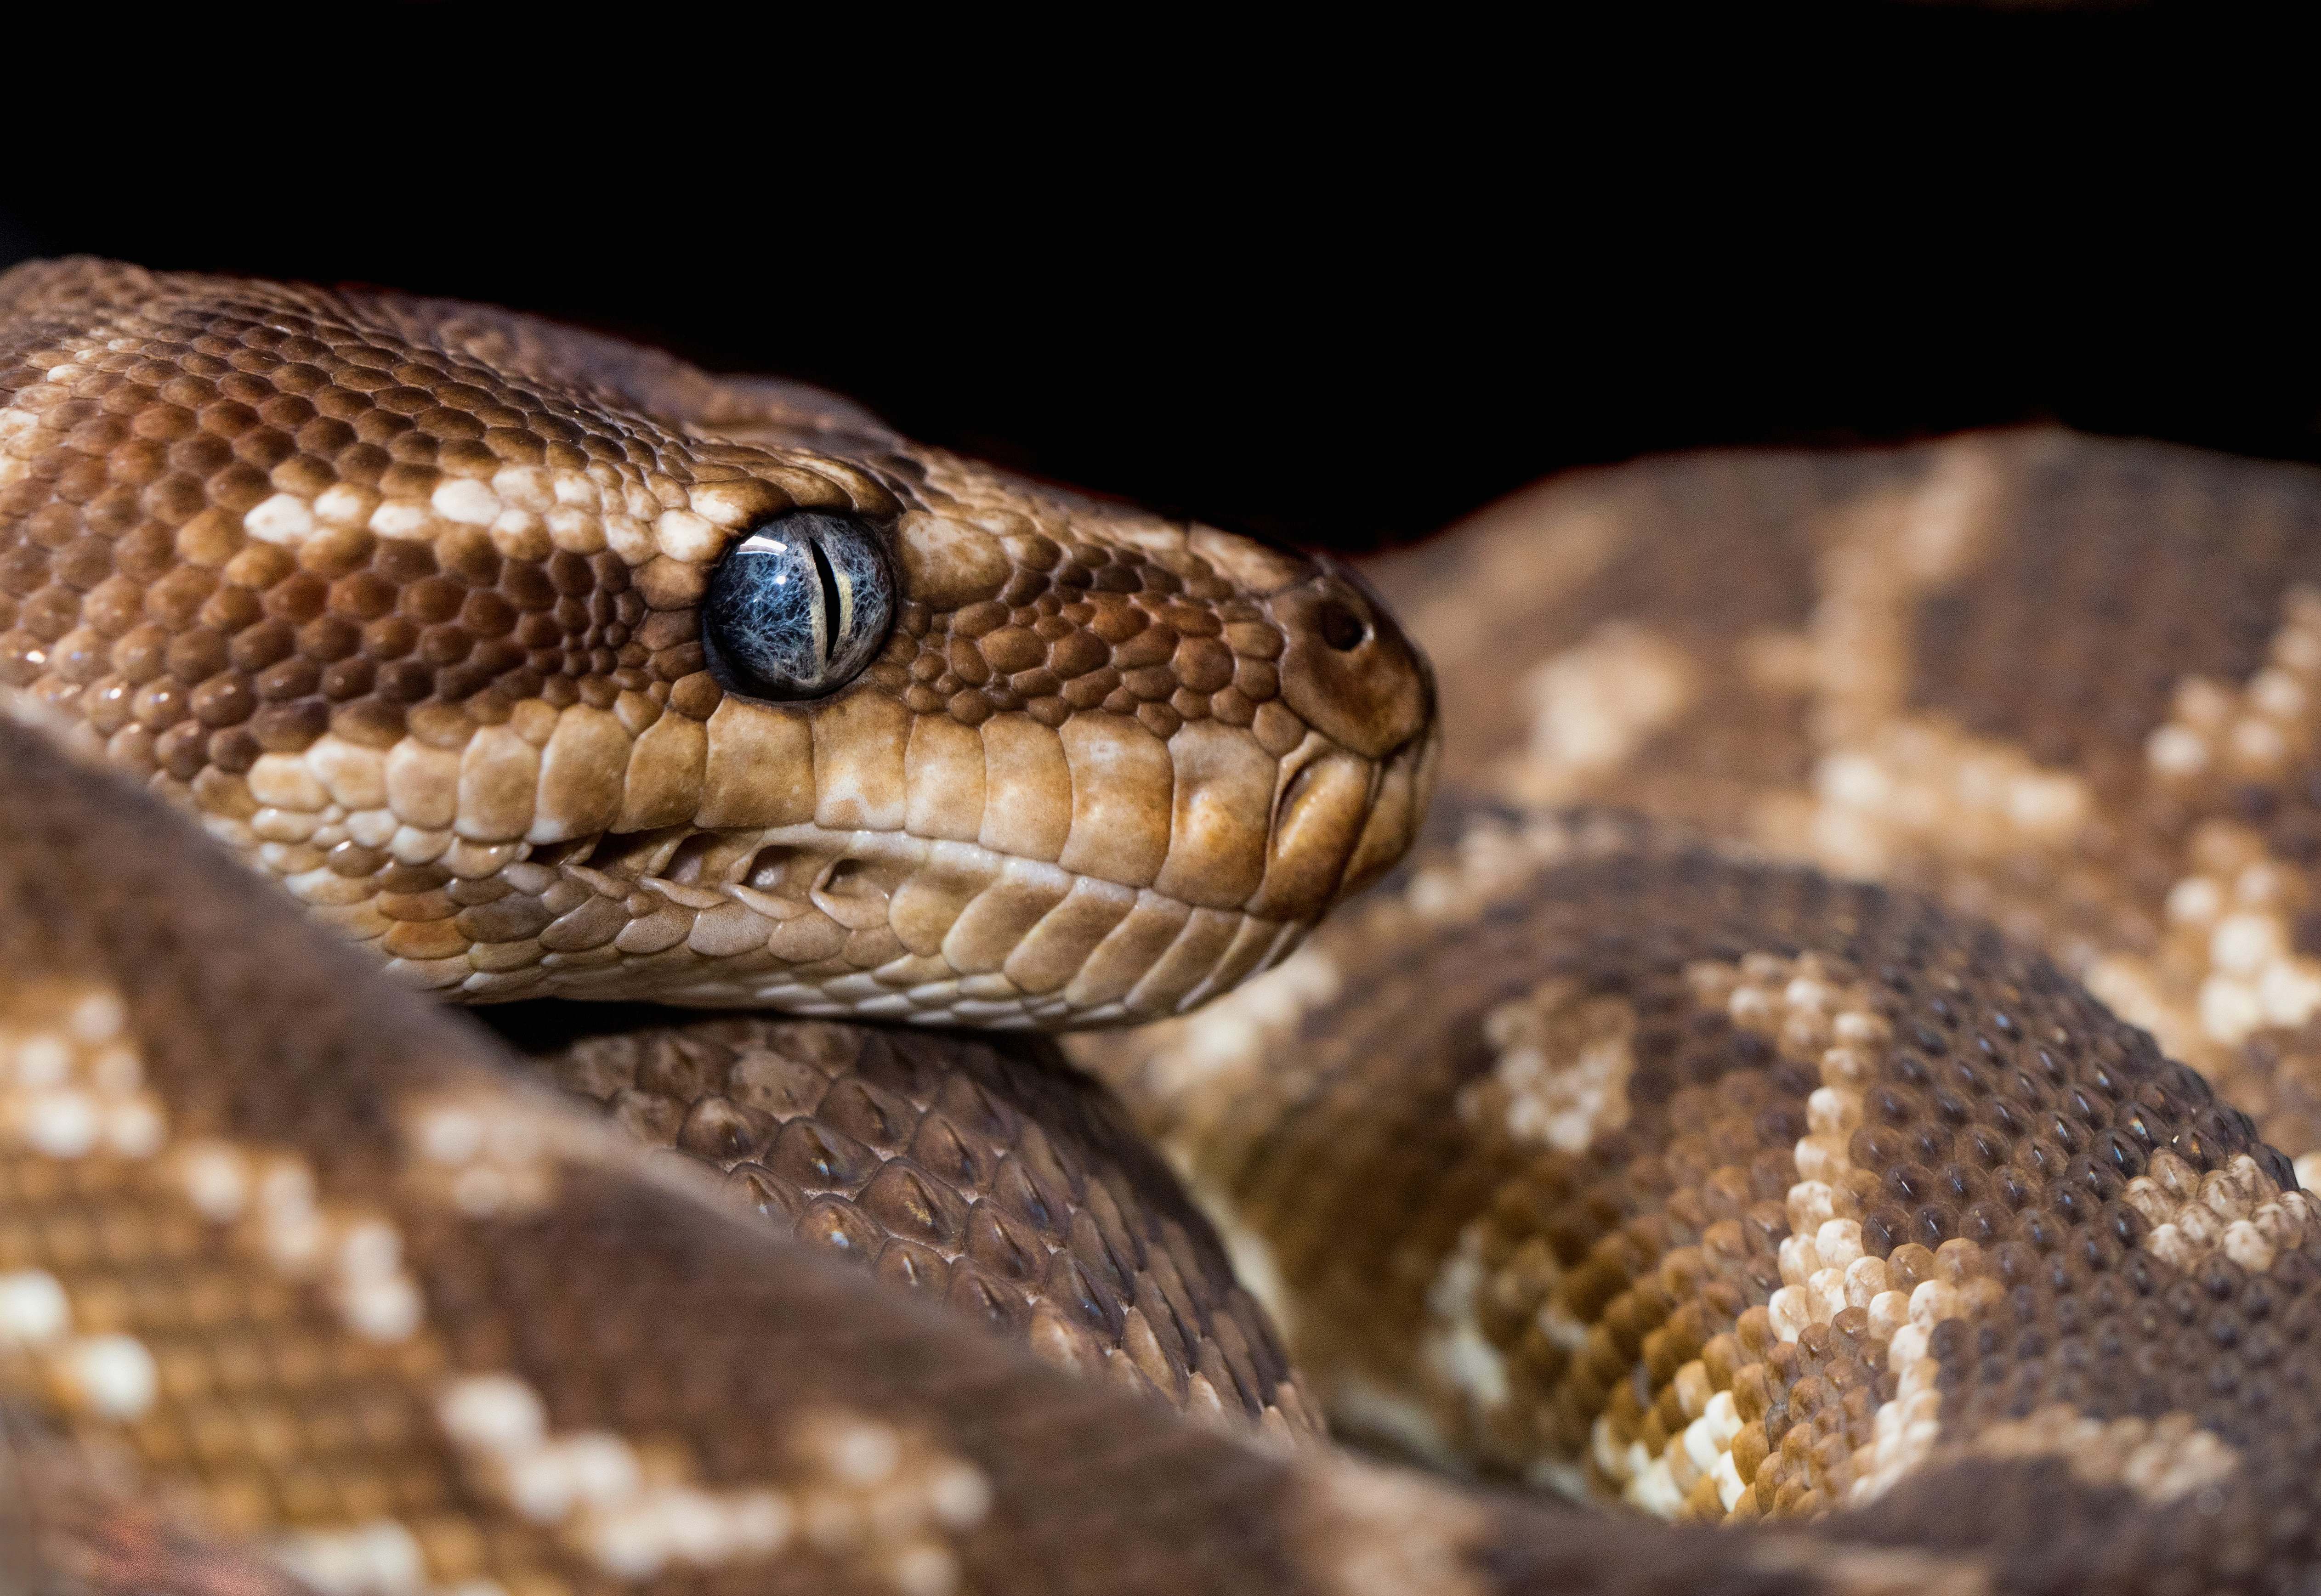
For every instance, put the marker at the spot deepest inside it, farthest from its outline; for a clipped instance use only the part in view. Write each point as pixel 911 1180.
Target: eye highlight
pixel 796 608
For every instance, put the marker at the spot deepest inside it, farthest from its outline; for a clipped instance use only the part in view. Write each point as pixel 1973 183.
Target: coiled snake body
pixel 1736 1111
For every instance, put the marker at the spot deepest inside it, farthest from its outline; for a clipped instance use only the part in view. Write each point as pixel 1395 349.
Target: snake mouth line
pixel 889 923
pixel 781 873
pixel 843 872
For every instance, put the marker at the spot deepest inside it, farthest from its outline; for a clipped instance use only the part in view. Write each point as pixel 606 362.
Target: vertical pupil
pixel 798 609
pixel 831 634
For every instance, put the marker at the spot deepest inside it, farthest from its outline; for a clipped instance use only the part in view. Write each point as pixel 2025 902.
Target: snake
pixel 616 979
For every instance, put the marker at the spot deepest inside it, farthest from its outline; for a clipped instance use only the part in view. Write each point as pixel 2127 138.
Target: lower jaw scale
pixel 1101 926
pixel 864 924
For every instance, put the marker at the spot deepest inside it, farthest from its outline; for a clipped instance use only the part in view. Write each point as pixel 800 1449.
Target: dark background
pixel 1338 301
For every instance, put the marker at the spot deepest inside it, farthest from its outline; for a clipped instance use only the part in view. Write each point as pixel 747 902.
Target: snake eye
pixel 796 608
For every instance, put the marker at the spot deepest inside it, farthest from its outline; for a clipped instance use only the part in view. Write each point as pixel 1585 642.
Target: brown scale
pixel 127 584
pixel 2167 564
pixel 631 1305
pixel 1353 1160
pixel 2098 576
pixel 988 1176
pixel 2172 565
pixel 2000 1131
pixel 627 1305
pixel 1090 627
pixel 236 517
pixel 1671 1185
pixel 1485 627
pixel 265 1404
pixel 131 589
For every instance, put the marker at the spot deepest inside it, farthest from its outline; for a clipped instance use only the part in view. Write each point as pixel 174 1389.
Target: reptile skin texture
pixel 1820 1109
pixel 985 1175
pixel 403 597
pixel 1625 1146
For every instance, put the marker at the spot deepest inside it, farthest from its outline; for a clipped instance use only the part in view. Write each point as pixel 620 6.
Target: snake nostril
pixel 1348 671
pixel 1340 628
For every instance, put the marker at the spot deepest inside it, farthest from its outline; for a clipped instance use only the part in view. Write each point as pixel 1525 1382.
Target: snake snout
pixel 1348 672
pixel 1349 798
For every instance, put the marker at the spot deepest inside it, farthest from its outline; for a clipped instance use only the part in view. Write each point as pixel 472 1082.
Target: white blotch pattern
pixel 1234 1034
pixel 483 1156
pixel 1919 782
pixel 72 1088
pixel 355 1255
pixel 1906 1428
pixel 2162 1460
pixel 1594 704
pixel 1365 1530
pixel 1814 1011
pixel 1469 1388
pixel 1456 1352
pixel 1561 1075
pixel 380 1558
pixel 1209 1056
pixel 2238 1210
pixel 886 1501
pixel 871 1494
pixel 2230 919
pixel 1891 784
pixel 72 1082
pixel 1491 858
pixel 111 1377
pixel 2253 732
pixel 2230 965
pixel 592 1485
pixel 1896 547
pixel 1561 1078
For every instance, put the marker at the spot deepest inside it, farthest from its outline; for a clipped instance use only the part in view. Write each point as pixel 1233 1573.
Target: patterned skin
pixel 369 1312
pixel 1606 1151
pixel 403 597
pixel 1584 1152
pixel 2070 686
pixel 984 1174
pixel 410 1324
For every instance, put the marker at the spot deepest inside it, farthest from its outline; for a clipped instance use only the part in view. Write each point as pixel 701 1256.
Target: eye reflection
pixel 797 608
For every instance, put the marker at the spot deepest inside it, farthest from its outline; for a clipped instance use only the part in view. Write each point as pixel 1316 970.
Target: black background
pixel 1336 300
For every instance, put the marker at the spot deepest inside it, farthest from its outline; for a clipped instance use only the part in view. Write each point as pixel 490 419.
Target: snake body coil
pixel 1639 1155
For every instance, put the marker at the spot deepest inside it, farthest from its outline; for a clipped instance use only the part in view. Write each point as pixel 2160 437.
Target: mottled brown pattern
pixel 2062 684
pixel 2002 1161
pixel 402 597
pixel 638 1305
pixel 604 1305
pixel 1595 1151
pixel 988 1176
pixel 2095 592
pixel 1528 579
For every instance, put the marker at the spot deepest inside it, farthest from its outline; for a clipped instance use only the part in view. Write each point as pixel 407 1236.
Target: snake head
pixel 548 664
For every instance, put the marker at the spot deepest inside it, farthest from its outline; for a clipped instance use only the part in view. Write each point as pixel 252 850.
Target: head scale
pixel 544 663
